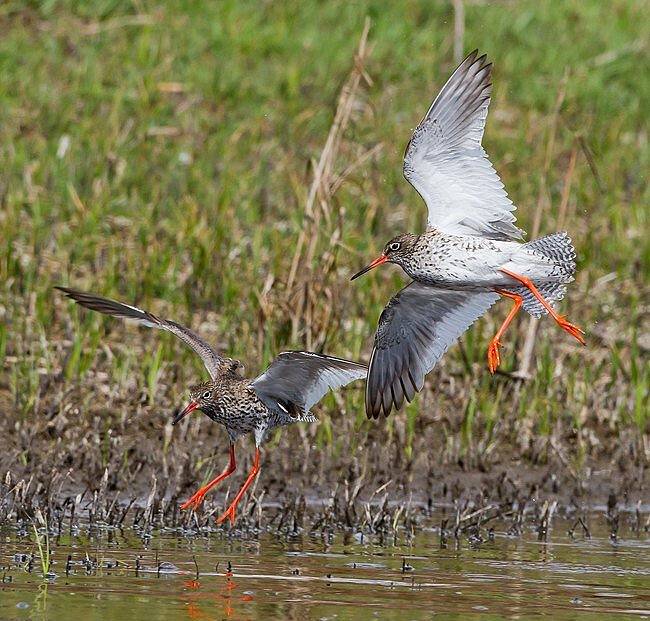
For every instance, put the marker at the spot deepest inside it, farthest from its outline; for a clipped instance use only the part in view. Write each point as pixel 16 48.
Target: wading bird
pixel 469 254
pixel 294 382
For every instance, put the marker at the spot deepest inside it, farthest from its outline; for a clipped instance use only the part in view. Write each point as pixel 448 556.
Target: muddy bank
pixel 131 467
pixel 108 441
pixel 469 502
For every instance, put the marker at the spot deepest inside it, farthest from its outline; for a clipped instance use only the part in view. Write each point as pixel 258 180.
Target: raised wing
pixel 296 380
pixel 415 330
pixel 446 164
pixel 214 363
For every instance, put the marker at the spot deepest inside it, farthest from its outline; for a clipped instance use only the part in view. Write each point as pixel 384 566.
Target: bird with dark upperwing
pixel 293 383
pixel 468 256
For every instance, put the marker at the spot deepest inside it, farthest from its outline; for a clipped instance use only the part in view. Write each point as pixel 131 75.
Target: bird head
pixel 201 398
pixel 395 251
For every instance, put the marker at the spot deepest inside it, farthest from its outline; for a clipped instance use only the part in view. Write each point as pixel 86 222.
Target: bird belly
pixel 462 262
pixel 536 266
pixel 472 263
pixel 240 417
pixel 250 415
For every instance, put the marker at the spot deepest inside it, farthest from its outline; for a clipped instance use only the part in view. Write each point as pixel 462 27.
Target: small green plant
pixel 153 372
pixel 43 543
pixel 411 416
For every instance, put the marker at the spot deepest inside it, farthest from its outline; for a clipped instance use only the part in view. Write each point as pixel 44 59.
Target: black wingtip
pixel 69 293
pixel 370 408
pixel 375 410
pixel 73 294
pixel 474 59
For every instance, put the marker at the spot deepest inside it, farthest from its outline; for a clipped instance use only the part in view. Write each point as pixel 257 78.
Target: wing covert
pixel 297 380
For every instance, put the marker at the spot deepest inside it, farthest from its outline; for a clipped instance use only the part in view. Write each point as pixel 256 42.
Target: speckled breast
pixel 440 259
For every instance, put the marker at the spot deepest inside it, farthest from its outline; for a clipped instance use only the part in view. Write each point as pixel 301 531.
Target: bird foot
pixel 194 502
pixel 576 332
pixel 228 514
pixel 493 355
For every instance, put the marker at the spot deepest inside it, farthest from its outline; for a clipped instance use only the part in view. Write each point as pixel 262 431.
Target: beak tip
pixel 378 261
pixel 183 413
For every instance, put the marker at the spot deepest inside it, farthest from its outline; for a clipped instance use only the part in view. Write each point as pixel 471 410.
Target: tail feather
pixel 557 247
pixel 551 291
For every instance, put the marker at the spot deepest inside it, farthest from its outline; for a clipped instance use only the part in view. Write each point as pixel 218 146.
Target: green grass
pixel 190 132
pixel 43 544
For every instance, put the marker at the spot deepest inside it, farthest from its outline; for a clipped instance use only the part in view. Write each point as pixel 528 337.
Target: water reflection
pixel 203 603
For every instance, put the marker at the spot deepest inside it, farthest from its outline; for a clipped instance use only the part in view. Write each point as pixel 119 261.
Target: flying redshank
pixel 293 383
pixel 469 254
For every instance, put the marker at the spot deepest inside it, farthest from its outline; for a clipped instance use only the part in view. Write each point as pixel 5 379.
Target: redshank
pixel 293 383
pixel 469 254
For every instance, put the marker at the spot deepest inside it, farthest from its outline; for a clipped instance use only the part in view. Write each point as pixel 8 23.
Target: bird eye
pixel 206 394
pixel 394 246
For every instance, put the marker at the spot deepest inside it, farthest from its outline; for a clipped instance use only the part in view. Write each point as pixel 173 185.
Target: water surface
pixel 112 574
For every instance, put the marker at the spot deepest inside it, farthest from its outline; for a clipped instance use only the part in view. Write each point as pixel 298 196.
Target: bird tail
pixel 557 247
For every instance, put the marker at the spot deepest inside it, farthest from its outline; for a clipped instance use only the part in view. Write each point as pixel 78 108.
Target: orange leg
pixel 494 358
pixel 561 321
pixel 197 499
pixel 229 513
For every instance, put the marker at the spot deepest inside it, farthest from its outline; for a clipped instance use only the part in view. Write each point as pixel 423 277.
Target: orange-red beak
pixel 382 258
pixel 191 406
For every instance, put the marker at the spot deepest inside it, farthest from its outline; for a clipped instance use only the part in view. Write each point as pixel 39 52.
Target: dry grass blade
pixel 459 30
pixel 95 28
pixel 301 293
pixel 542 205
pixel 566 189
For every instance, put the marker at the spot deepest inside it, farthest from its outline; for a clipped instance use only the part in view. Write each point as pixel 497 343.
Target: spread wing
pixel 446 164
pixel 297 380
pixel 415 330
pixel 214 363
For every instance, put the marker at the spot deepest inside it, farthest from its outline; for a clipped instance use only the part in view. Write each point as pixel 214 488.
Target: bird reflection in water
pixel 226 596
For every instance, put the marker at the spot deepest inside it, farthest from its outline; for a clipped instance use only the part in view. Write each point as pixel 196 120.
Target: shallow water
pixel 118 575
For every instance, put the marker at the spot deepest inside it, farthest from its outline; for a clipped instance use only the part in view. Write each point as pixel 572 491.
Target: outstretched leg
pixel 574 331
pixel 229 513
pixel 494 358
pixel 197 499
